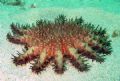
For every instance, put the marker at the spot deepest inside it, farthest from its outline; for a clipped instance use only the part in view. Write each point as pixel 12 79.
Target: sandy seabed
pixel 107 71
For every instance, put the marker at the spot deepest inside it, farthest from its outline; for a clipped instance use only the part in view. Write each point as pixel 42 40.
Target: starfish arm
pixel 59 63
pixel 41 63
pixel 91 42
pixel 20 30
pixel 17 40
pixel 69 53
pixel 85 49
pixel 28 56
pixel 16 29
pixel 98 44
pixel 88 52
pixel 46 56
pixel 100 48
pixel 76 60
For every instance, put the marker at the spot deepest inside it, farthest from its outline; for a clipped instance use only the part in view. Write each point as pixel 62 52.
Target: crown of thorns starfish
pixel 56 42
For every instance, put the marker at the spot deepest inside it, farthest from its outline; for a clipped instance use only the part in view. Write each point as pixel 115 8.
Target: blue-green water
pixel 107 5
pixel 106 13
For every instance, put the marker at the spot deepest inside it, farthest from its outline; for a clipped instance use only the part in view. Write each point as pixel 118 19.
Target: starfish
pixel 58 41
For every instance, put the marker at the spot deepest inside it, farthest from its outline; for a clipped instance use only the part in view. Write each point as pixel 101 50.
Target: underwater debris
pixel 13 2
pixel 116 33
pixel 56 42
pixel 16 3
pixel 33 5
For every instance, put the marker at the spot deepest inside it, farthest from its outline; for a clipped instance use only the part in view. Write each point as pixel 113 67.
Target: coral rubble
pixel 56 42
